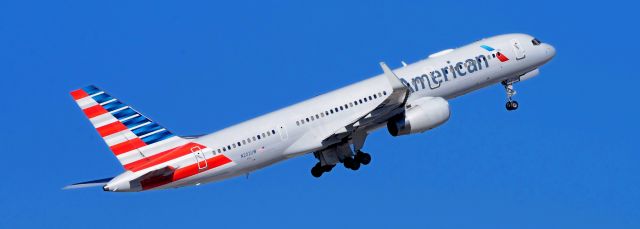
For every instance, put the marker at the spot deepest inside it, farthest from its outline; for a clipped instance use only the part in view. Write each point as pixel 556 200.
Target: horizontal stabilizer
pixel 88 184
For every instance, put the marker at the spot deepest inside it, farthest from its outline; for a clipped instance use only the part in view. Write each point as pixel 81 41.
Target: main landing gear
pixel 508 87
pixel 354 162
pixel 318 169
pixel 351 162
pixel 351 158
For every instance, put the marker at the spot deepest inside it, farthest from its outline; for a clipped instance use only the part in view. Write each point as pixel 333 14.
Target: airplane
pixel 333 126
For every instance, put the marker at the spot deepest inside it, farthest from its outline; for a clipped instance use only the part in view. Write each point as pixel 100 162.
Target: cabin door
pixel 518 49
pixel 282 130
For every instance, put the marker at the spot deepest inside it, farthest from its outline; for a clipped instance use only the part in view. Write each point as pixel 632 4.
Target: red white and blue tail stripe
pixel 133 138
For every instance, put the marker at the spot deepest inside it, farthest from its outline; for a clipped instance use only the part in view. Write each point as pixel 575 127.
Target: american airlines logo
pixel 437 76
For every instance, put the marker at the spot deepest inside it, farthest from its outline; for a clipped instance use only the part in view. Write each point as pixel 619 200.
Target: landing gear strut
pixel 508 87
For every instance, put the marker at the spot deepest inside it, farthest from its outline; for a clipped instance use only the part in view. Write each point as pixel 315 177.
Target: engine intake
pixel 421 115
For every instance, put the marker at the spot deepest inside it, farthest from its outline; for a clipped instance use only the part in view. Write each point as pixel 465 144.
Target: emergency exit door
pixel 201 157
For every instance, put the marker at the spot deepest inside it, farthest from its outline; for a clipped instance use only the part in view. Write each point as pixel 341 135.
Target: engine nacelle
pixel 421 115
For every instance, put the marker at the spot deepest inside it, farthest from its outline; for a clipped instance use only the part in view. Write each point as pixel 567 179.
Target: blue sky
pixel 567 158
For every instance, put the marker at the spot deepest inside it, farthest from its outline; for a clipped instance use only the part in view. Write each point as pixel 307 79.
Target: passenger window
pixel 268 133
pixel 336 109
pixel 384 92
pixel 273 131
pixel 234 145
pixel 259 136
pixel 380 94
pixel 317 116
pixel 341 108
pixel 228 147
pixel 224 149
pixel 307 119
pixel 322 115
pixel 298 123
pixel 365 100
pixel 248 140
pixel 311 118
pixel 350 104
pixel 244 142
pixel 375 96
pixel 254 138
pixel 219 151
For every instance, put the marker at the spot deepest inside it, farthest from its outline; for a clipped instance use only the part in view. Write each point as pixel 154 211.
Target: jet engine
pixel 420 115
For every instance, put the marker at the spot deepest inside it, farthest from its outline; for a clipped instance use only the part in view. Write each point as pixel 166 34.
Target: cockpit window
pixel 535 41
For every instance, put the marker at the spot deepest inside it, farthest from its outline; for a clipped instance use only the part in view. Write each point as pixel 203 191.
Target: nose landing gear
pixel 508 87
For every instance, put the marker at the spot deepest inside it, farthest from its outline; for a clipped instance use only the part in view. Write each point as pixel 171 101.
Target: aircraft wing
pixel 387 108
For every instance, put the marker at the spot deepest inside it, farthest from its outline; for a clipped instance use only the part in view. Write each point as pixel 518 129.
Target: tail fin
pixel 133 138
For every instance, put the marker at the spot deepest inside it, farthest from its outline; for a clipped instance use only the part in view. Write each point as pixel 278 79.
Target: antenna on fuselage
pixel 403 63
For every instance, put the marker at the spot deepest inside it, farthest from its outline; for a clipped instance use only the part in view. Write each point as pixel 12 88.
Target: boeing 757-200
pixel 333 126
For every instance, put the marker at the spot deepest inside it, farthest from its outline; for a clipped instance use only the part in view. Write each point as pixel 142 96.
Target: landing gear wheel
pixel 512 105
pixel 351 163
pixel 347 162
pixel 327 168
pixel 355 166
pixel 316 171
pixel 365 159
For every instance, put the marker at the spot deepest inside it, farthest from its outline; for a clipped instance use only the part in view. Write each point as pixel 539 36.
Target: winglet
pixel 395 82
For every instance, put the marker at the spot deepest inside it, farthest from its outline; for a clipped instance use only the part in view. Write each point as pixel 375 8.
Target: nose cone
pixel 549 50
